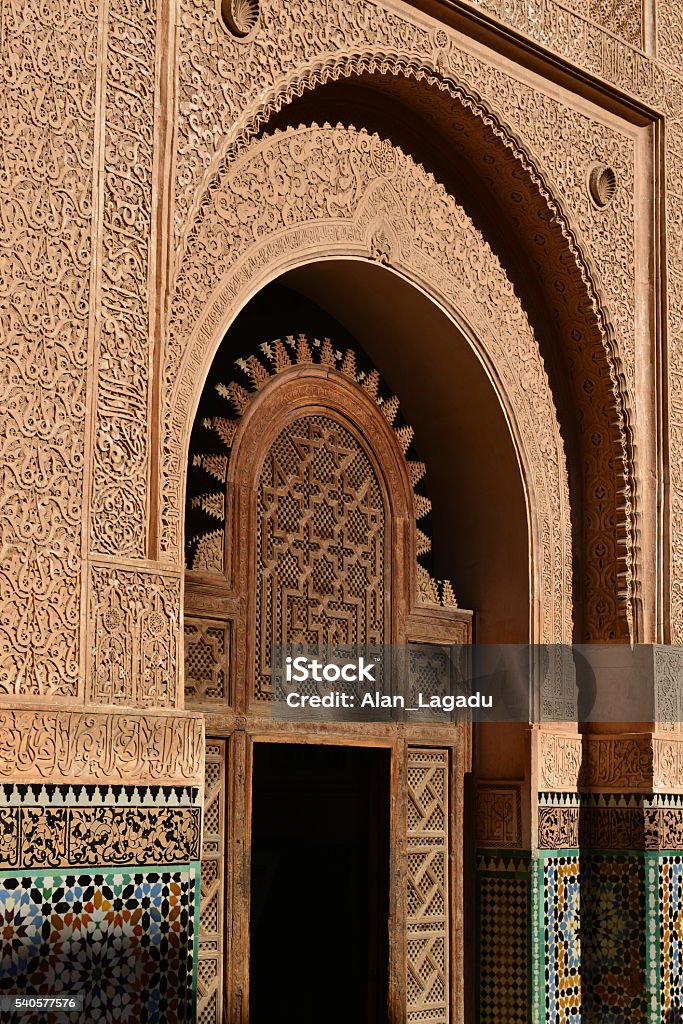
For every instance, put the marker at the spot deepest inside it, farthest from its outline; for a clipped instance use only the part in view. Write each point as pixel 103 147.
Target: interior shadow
pixel 319 884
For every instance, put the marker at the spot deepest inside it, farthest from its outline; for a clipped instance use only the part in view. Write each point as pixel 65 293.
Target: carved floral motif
pixel 47 112
pixel 135 619
pixel 120 448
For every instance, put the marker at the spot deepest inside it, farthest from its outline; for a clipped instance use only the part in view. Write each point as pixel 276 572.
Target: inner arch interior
pixel 479 519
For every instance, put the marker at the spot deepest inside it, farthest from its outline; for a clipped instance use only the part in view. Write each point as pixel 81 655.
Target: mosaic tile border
pixel 507 861
pixel 670 908
pixel 86 795
pixel 126 939
pixel 504 978
pixel 642 800
pixel 600 821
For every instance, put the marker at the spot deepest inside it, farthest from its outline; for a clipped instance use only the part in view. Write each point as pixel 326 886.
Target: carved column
pixel 102 773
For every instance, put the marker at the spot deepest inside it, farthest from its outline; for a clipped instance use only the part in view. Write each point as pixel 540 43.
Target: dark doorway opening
pixel 319 884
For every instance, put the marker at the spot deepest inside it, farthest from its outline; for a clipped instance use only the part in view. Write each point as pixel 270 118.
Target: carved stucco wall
pixel 98 266
pixel 78 116
pixel 291 46
pixel 112 120
pixel 47 93
pixel 337 190
pixel 285 58
pixel 555 143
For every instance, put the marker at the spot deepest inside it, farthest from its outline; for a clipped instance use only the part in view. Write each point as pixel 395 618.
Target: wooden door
pixel 319 544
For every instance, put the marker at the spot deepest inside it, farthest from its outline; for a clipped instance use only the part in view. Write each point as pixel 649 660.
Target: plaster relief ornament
pixel 240 16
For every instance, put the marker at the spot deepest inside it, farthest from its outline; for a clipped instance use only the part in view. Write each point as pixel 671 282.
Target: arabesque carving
pixel 438 245
pixel 581 21
pixel 596 762
pixel 88 746
pixel 135 622
pixel 47 90
pixel 50 837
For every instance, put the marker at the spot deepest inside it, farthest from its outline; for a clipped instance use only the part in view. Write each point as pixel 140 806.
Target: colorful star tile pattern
pixel 671 924
pixel 125 940
pixel 562 942
pixel 594 909
pixel 503 961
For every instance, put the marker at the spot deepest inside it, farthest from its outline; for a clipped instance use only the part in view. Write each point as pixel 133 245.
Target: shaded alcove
pixel 479 517
pixel 319 884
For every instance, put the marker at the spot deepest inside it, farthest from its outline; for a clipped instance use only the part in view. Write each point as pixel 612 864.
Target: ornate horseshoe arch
pixel 320 191
pixel 598 347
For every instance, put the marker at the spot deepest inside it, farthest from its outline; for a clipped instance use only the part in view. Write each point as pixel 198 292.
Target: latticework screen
pixel 427 918
pixel 212 905
pixel 321 538
pixel 207 655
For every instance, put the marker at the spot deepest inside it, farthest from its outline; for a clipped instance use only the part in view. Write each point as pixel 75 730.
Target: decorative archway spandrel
pixel 252 228
pixel 516 112
pixel 584 258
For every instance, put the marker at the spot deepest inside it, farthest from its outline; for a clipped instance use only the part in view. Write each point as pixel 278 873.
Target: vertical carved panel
pixel 207 656
pixel 120 452
pixel 134 637
pixel 211 910
pixel 499 815
pixel 47 113
pixel 428 902
pixel 321 538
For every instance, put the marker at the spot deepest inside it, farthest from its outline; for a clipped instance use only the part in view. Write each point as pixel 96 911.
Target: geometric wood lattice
pixel 219 414
pixel 427 912
pixel 207 655
pixel 211 909
pixel 321 539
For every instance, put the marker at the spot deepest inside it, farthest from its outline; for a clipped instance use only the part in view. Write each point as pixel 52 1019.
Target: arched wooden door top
pixel 365 585
pixel 322 545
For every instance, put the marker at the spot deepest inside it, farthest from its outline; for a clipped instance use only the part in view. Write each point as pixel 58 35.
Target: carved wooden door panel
pixel 210 967
pixel 427 915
